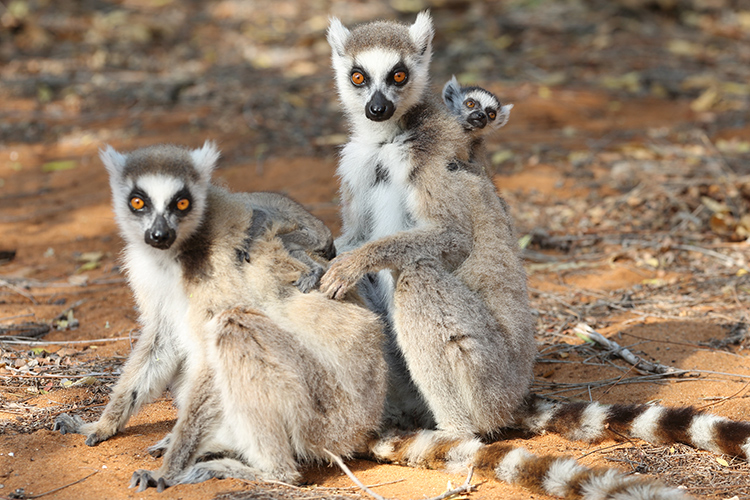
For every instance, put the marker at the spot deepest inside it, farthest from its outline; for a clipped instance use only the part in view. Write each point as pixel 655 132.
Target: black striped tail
pixel 591 422
pixel 551 475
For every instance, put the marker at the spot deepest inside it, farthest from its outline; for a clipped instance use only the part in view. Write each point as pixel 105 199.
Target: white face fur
pixel 477 109
pixel 156 206
pixel 381 79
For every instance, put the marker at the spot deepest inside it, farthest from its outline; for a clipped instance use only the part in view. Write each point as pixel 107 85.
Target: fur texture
pixel 267 375
pixel 449 278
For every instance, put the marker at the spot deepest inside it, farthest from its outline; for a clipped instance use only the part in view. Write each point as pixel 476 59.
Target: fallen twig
pixel 351 475
pixel 588 334
pixel 466 487
pixel 62 342
pixel 20 291
pixel 724 399
pixel 62 487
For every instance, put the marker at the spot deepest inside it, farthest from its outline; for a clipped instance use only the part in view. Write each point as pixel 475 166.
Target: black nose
pixel 477 119
pixel 379 108
pixel 160 235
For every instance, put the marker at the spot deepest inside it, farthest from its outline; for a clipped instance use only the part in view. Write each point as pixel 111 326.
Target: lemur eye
pixel 400 77
pixel 183 204
pixel 358 78
pixel 137 203
pixel 491 114
pixel 470 103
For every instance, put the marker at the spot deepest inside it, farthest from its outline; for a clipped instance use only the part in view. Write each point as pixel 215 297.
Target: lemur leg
pixel 151 366
pixel 235 409
pixel 260 392
pixel 195 423
pixel 450 343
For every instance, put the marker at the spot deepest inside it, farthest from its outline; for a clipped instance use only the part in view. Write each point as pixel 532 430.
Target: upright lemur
pixel 264 375
pixel 421 214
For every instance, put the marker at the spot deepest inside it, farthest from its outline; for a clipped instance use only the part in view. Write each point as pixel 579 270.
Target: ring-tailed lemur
pixel 478 111
pixel 267 375
pixel 450 281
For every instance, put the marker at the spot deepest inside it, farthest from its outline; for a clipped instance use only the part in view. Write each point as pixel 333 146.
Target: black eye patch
pixel 182 202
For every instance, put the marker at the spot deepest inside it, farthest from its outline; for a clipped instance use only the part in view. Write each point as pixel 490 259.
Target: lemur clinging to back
pixel 264 375
pixel 478 110
pixel 449 280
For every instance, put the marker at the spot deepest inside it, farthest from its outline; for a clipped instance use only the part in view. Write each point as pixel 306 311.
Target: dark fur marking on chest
pixel 382 176
pixel 195 258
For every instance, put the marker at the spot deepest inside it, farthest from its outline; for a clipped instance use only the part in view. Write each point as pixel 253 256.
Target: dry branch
pixel 588 334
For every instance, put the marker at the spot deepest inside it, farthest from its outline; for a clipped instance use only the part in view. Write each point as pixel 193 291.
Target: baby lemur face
pixel 159 193
pixel 478 110
pixel 381 68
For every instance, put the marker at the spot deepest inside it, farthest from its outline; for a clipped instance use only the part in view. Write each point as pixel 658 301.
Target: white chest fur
pixel 156 279
pixel 377 177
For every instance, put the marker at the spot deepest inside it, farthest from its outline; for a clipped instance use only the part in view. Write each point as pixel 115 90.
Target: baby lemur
pixel 478 111
pixel 429 244
pixel 264 375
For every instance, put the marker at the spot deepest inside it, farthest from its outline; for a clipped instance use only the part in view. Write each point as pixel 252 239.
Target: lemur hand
pixel 345 271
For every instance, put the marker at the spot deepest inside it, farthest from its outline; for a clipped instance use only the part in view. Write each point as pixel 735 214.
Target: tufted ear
pixel 113 161
pixel 337 36
pixel 205 158
pixel 452 94
pixel 503 115
pixel 421 33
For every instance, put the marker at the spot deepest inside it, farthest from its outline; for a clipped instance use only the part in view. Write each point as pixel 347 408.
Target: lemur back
pixel 269 374
pixel 461 348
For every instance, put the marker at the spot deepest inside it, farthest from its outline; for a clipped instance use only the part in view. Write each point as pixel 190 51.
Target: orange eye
pixel 399 76
pixel 183 204
pixel 470 103
pixel 137 203
pixel 358 78
pixel 492 115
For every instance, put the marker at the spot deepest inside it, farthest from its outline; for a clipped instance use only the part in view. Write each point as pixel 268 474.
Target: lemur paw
pixel 308 281
pixel 144 479
pixel 68 424
pixel 342 276
pixel 157 450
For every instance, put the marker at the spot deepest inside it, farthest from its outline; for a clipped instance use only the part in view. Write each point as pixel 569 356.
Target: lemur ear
pixel 421 33
pixel 337 36
pixel 113 161
pixel 503 115
pixel 452 93
pixel 205 158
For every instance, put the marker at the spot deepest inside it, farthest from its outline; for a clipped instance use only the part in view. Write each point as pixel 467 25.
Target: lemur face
pixel 381 69
pixel 475 107
pixel 159 193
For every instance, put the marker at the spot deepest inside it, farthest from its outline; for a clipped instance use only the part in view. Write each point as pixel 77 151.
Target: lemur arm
pixel 448 245
pixel 152 365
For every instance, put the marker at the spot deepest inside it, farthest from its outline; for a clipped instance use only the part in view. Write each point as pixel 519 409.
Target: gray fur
pixel 450 280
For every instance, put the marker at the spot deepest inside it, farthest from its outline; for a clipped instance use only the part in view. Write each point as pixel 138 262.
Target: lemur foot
pixel 145 479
